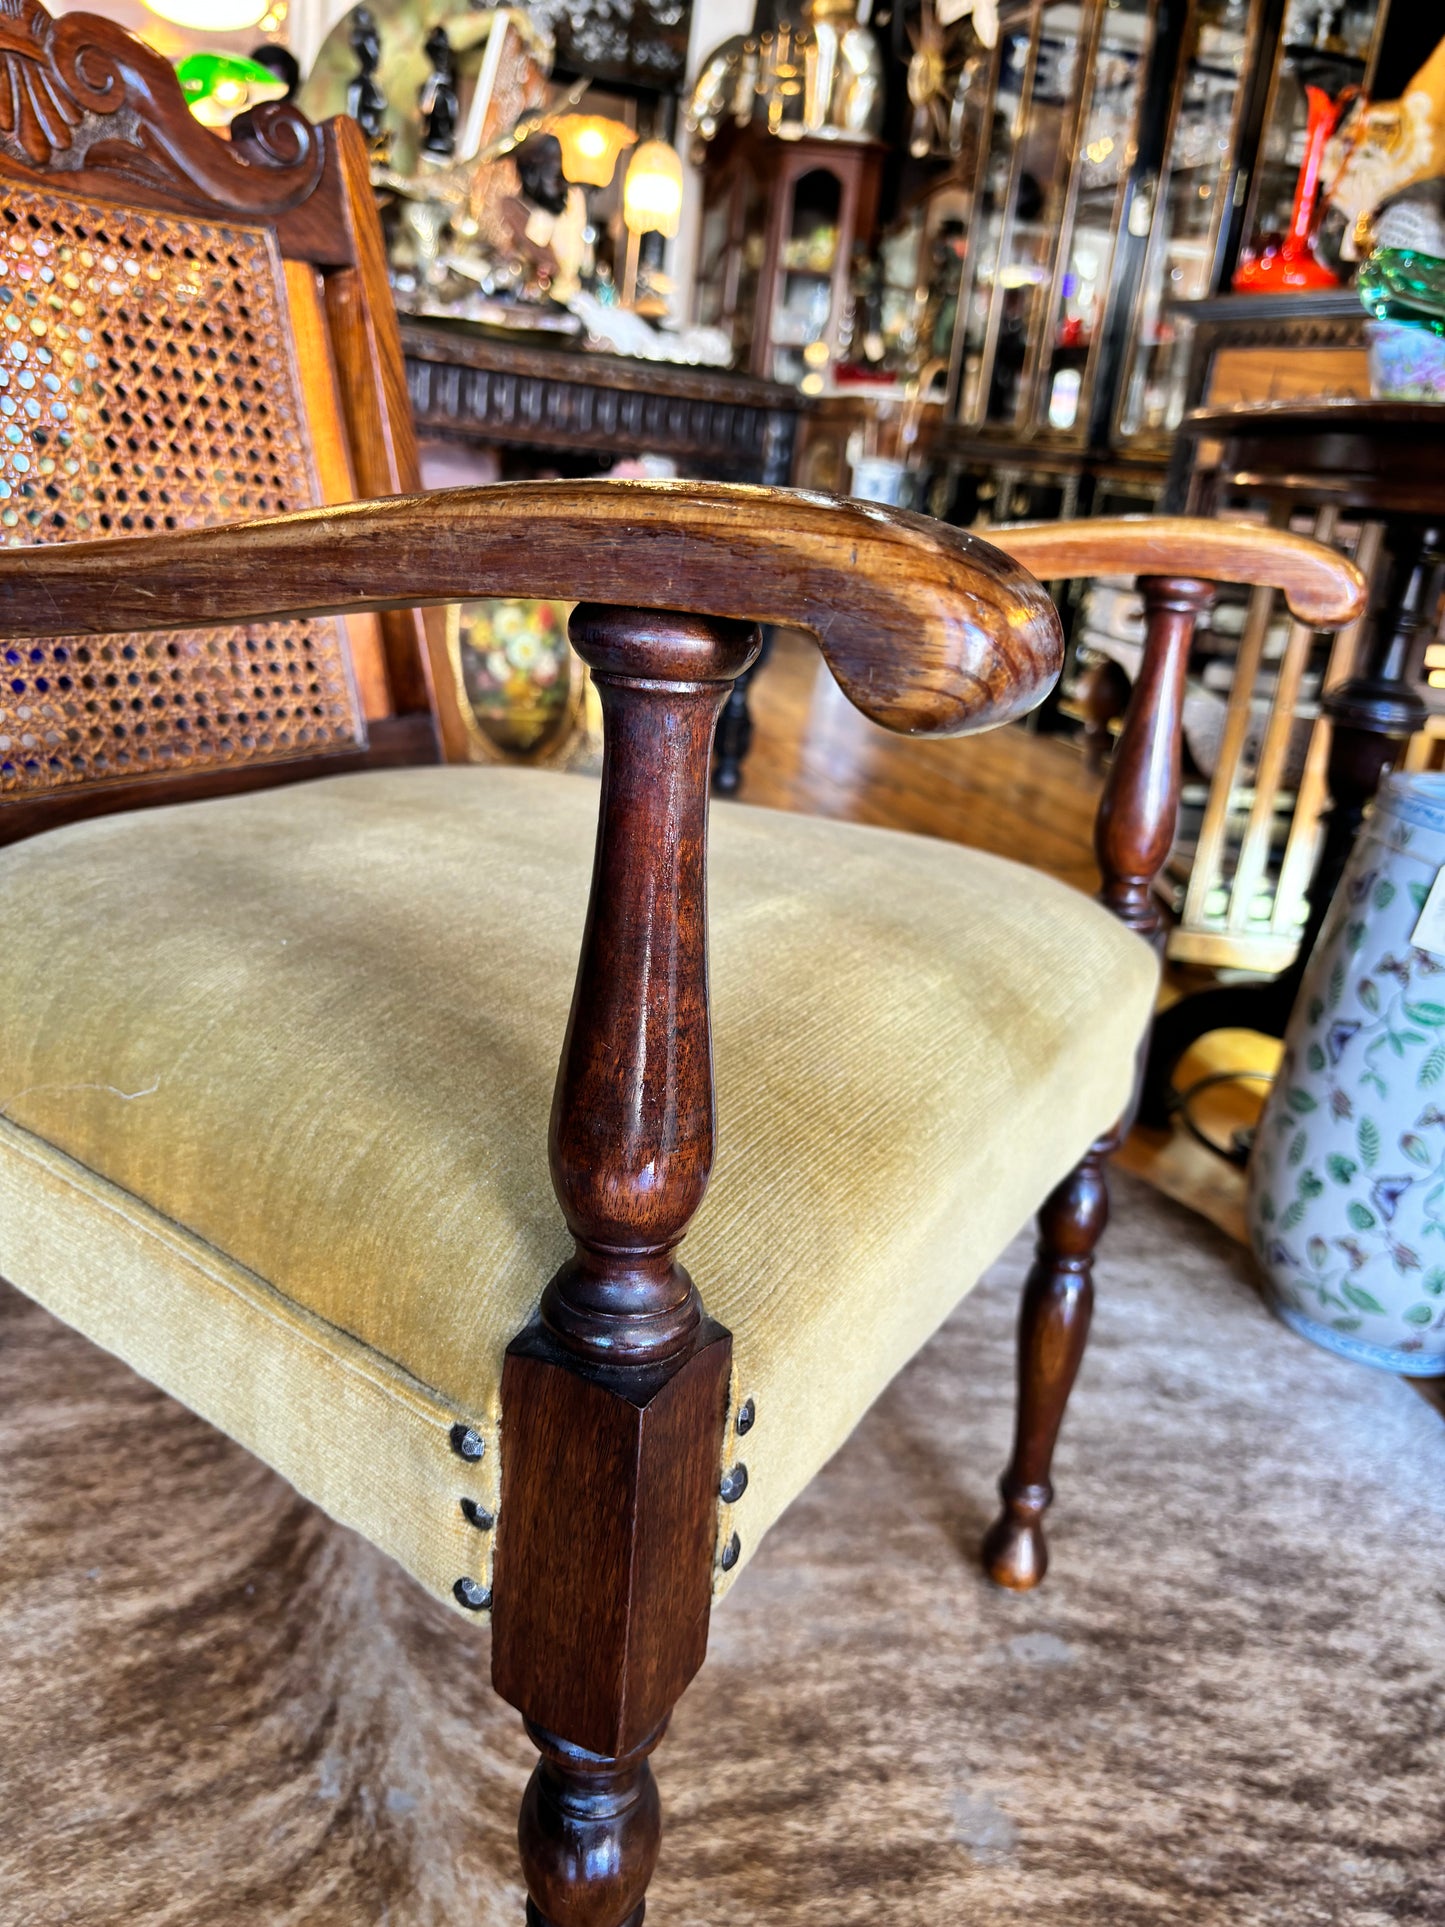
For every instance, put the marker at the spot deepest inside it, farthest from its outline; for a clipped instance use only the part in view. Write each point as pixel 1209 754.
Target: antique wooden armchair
pixel 274 1063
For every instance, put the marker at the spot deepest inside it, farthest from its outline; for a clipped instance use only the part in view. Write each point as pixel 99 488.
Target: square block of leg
pixel 606 1534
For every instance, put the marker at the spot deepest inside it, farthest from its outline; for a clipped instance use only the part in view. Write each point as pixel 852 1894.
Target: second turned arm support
pixel 1179 561
pixel 1134 828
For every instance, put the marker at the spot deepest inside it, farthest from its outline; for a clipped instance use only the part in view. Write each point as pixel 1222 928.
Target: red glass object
pixel 1290 265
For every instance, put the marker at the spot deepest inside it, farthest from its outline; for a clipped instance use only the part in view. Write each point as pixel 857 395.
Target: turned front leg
pixel 613 1403
pixel 1132 839
pixel 1054 1317
pixel 589 1832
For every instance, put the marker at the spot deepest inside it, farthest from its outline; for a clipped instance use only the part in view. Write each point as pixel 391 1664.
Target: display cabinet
pixel 780 221
pixel 1054 118
pixel 1235 148
pixel 1332 44
pixel 1126 149
pixel 1186 211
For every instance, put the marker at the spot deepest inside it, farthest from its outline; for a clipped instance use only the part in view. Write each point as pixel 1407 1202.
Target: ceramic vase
pixel 1347 1180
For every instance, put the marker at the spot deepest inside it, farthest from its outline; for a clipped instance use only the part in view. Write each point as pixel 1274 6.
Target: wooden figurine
pixel 365 102
pixel 437 102
pixel 546 220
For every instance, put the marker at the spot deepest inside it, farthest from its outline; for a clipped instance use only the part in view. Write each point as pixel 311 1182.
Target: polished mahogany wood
pixel 927 629
pixel 615 1399
pixel 89 101
pixel 605 1534
pixel 1320 585
pixel 589 1826
pixel 1054 1318
pixel 1134 829
pixel 632 1118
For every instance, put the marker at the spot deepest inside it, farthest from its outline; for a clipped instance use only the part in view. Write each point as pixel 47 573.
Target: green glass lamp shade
pixel 217 86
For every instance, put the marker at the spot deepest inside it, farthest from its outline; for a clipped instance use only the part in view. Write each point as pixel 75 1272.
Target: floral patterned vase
pixel 1347 1181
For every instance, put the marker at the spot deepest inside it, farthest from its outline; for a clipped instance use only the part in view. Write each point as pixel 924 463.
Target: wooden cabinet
pixel 780 222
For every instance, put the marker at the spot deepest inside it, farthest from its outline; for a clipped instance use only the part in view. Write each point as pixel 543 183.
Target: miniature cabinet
pixel 780 221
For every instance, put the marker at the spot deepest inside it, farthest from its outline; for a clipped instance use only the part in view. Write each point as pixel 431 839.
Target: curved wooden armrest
pixel 928 630
pixel 1322 587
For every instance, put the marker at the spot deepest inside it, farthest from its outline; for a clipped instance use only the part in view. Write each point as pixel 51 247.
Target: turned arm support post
pixel 614 1401
pixel 632 1119
pixel 1134 829
pixel 1177 560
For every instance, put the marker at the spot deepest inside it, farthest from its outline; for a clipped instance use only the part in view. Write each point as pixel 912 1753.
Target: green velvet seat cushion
pixel 275 1074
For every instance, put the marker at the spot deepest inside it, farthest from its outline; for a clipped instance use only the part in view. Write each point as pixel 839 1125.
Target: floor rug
pixel 1225 1706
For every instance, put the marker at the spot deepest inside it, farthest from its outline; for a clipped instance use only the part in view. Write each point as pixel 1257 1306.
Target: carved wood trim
pixel 80 97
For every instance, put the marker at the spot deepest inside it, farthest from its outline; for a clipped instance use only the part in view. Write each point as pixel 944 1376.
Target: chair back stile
pixel 192 331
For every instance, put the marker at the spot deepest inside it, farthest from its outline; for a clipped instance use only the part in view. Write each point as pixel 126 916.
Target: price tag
pixel 1430 930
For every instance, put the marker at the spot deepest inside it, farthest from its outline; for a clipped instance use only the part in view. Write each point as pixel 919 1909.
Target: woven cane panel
pixel 147 383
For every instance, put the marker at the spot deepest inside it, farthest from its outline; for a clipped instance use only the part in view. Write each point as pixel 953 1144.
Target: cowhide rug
pixel 1224 1707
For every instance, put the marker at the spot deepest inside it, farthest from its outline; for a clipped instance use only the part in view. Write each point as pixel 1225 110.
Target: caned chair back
pixel 192 331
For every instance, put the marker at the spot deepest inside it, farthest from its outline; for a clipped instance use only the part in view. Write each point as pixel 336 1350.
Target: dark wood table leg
pixel 735 728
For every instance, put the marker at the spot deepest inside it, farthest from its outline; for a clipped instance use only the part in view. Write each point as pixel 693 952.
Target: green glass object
pixel 1401 284
pixel 218 86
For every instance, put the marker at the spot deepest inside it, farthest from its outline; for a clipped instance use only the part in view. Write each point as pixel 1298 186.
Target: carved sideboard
pixel 471 386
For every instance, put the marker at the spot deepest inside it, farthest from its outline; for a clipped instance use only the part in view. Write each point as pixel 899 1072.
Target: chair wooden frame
pixel 615 1397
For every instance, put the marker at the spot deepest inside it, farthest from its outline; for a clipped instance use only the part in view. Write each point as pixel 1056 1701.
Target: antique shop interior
pixel 722 1013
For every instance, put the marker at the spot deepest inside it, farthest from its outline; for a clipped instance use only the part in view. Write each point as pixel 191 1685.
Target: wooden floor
pixel 1021 796
pixel 1016 794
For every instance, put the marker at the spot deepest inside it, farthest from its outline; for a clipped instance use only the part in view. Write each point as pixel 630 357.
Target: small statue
pixel 365 102
pixel 547 220
pixel 437 103
pixel 845 89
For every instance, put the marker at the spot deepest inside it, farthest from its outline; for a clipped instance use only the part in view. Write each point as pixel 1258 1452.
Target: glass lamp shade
pixel 217 87
pixel 591 144
pixel 211 16
pixel 652 191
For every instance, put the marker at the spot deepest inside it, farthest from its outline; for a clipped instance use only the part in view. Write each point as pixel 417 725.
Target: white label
pixel 1430 930
pixel 950 10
